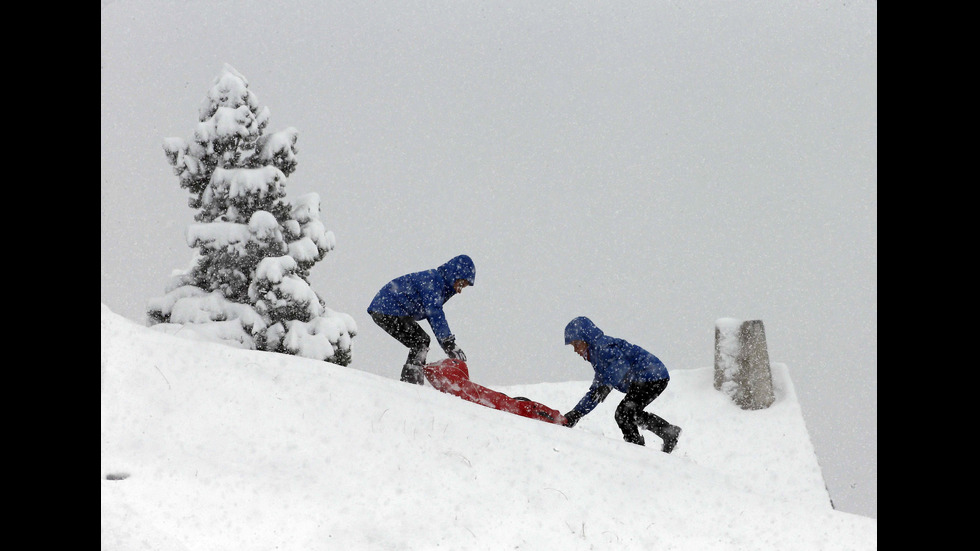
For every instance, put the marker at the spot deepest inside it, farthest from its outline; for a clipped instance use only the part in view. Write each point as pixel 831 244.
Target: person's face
pixel 582 349
pixel 460 284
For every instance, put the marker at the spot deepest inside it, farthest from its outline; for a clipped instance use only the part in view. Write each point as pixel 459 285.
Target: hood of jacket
pixel 582 329
pixel 460 267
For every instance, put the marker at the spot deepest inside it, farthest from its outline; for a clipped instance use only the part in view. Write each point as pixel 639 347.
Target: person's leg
pixel 667 432
pixel 630 415
pixel 626 419
pixel 408 332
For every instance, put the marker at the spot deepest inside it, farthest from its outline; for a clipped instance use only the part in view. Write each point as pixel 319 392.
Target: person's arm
pixel 595 395
pixel 440 328
pixel 431 302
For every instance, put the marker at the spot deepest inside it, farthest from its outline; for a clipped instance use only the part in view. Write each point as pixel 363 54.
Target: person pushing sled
pixel 627 368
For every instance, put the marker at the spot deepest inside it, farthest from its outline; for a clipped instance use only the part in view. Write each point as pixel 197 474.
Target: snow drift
pixel 209 447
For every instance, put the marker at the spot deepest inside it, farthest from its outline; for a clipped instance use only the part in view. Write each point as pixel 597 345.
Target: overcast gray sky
pixel 655 166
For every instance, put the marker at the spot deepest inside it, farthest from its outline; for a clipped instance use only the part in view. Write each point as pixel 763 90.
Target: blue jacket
pixel 617 363
pixel 422 294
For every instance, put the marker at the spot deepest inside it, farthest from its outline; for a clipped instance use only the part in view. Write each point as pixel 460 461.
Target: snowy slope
pixel 220 448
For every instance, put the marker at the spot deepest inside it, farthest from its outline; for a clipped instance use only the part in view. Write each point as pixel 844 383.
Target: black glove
pixel 453 351
pixel 571 418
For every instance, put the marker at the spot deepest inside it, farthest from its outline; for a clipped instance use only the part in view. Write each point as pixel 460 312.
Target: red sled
pixel 452 377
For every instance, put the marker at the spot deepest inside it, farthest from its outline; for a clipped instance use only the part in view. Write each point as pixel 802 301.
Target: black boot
pixel 657 425
pixel 413 374
pixel 416 356
pixel 670 436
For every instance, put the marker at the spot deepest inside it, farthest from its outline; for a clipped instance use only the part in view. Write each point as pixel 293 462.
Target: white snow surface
pixel 210 447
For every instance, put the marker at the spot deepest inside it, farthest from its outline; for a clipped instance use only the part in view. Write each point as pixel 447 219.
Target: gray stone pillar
pixel 742 363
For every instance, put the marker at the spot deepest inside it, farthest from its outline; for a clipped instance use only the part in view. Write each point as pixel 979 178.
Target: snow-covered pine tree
pixel 248 280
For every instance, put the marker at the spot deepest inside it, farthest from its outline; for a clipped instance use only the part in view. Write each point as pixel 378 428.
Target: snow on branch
pixel 260 182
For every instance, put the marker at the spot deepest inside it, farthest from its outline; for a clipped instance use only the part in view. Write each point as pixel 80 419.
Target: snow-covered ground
pixel 208 447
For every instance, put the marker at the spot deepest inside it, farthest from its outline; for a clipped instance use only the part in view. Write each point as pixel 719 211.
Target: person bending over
pixel 408 299
pixel 627 368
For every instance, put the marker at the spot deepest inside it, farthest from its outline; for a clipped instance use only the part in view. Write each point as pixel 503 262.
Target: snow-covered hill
pixel 207 447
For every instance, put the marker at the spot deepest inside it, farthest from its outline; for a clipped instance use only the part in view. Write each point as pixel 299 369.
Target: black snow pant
pixel 408 332
pixel 630 415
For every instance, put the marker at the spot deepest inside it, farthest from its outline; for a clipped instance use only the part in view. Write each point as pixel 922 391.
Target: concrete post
pixel 742 363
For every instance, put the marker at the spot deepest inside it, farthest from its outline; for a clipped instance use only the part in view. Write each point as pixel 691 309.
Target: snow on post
pixel 742 363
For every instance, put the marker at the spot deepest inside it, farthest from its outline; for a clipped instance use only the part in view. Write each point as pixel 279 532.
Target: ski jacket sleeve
pixel 440 327
pixel 440 289
pixel 432 301
pixel 595 395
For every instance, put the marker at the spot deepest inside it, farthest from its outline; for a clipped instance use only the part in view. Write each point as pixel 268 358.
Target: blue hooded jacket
pixel 422 294
pixel 617 363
